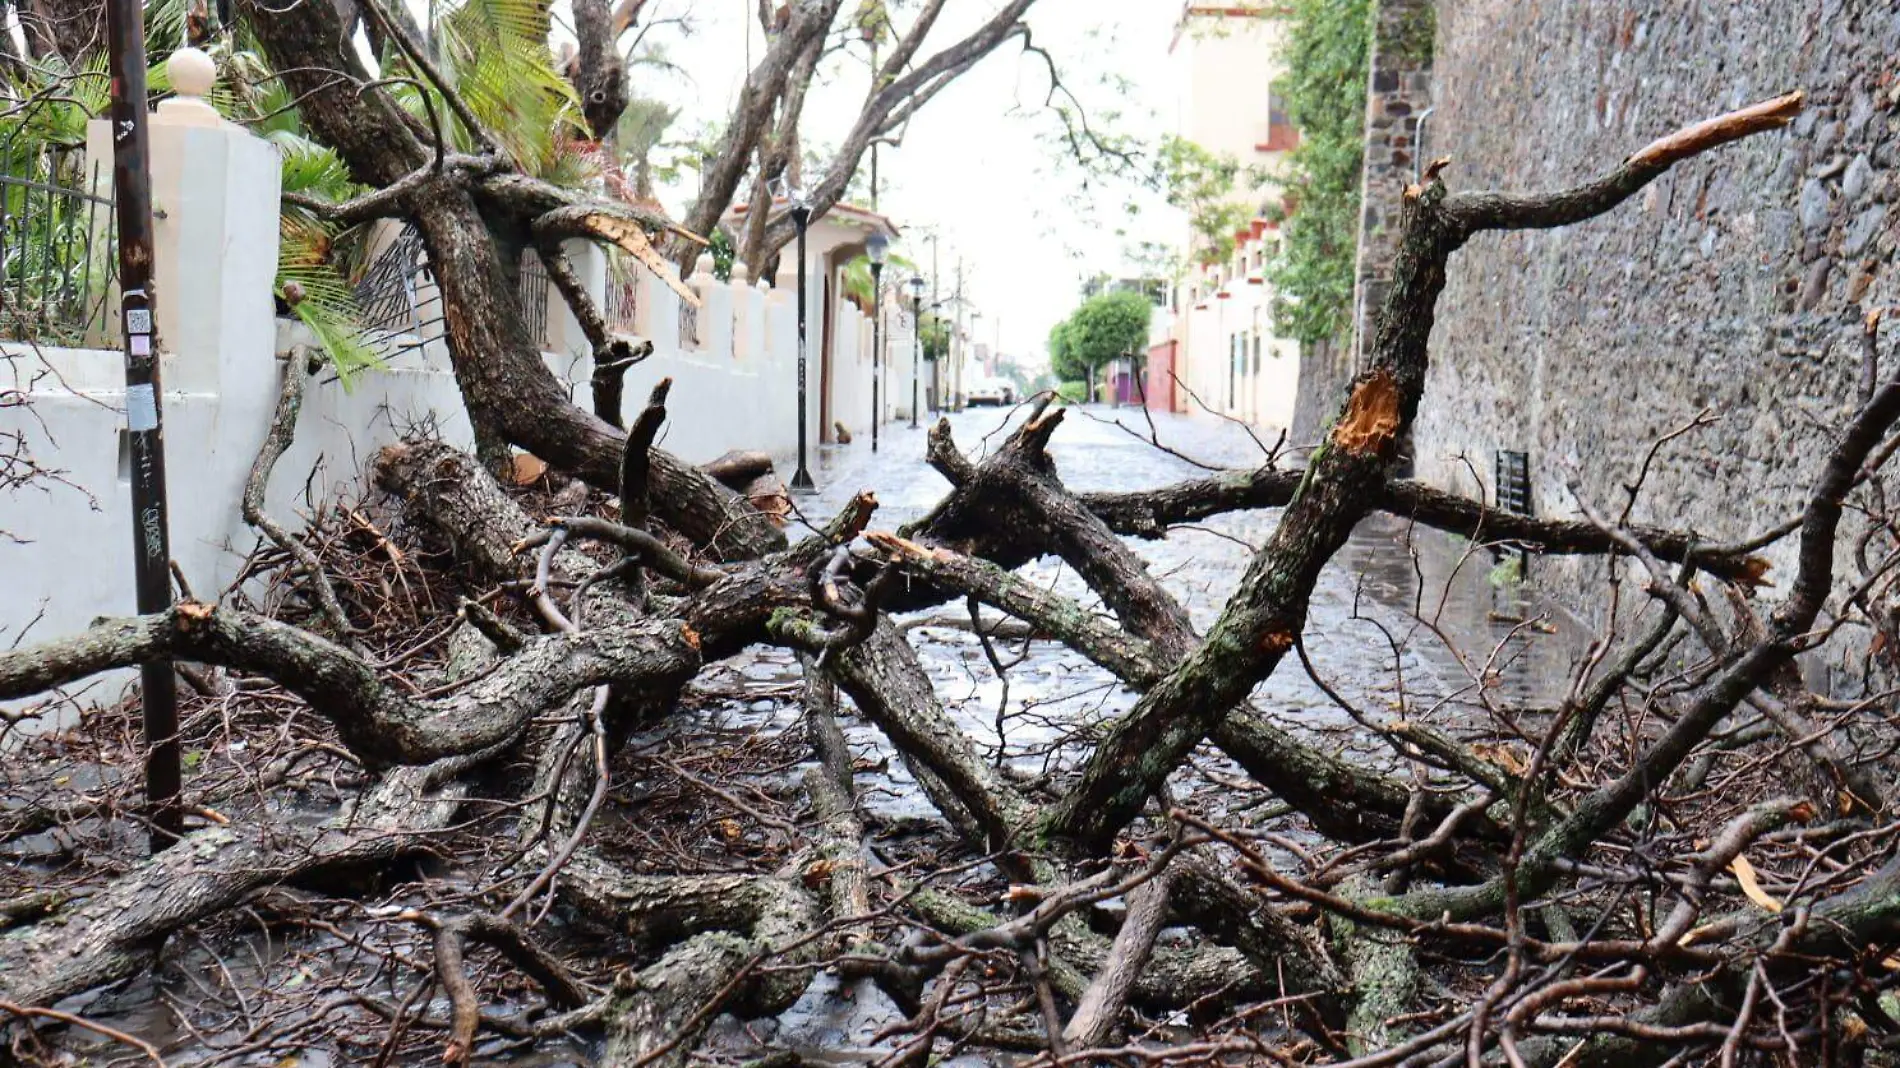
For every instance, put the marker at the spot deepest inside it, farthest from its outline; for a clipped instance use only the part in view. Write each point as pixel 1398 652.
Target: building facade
pixel 1222 355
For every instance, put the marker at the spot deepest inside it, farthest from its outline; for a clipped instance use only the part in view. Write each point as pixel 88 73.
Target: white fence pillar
pixel 589 261
pixel 214 228
pixel 215 192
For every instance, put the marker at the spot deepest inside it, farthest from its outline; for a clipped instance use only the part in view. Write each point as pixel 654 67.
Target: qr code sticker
pixel 138 321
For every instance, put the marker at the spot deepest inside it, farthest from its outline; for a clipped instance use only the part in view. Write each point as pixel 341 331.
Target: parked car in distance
pixel 990 392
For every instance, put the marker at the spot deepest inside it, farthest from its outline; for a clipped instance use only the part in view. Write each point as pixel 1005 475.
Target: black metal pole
pixel 801 479
pixel 917 352
pixel 877 336
pixel 132 186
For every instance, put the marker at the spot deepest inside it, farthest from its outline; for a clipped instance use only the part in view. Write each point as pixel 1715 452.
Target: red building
pixel 1162 392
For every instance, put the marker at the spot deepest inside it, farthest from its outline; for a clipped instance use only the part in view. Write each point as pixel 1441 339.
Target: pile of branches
pixel 1686 857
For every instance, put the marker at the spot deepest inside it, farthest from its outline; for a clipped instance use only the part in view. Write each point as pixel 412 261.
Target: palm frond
pixel 307 256
pixel 311 168
pixel 857 275
pixel 487 22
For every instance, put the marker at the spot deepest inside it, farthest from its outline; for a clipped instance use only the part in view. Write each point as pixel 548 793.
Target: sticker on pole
pixel 141 408
pixel 138 320
pixel 141 344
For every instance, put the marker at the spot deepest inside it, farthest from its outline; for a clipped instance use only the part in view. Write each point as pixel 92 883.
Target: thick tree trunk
pixel 508 388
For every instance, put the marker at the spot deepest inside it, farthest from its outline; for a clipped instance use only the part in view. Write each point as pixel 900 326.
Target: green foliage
pixel 1506 574
pixel 936 338
pixel 1106 326
pixel 639 135
pixel 312 255
pixel 1202 184
pixel 872 20
pixel 1073 392
pixel 857 276
pixel 723 254
pixel 495 54
pixel 1326 53
pixel 1062 359
pixel 56 254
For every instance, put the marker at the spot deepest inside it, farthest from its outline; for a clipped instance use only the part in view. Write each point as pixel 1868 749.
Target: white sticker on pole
pixel 141 408
pixel 138 320
pixel 141 344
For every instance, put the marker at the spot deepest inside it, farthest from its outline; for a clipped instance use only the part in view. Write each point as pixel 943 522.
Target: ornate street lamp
pixel 878 248
pixel 800 208
pixel 917 354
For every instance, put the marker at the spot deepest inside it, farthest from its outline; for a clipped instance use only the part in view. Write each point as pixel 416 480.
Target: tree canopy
pixel 1103 327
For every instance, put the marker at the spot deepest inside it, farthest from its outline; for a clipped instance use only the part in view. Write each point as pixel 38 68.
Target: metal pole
pixel 151 560
pixel 936 365
pixel 801 479
pixel 874 89
pixel 877 346
pixel 917 350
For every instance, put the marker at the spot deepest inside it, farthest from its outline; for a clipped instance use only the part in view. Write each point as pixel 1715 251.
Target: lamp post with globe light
pixel 800 209
pixel 917 355
pixel 878 248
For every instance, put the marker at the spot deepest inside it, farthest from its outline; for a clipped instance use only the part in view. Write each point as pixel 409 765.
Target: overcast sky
pixel 980 163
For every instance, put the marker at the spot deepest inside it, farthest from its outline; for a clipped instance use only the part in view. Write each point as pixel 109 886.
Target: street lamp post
pixel 917 354
pixel 877 247
pixel 801 217
pixel 152 583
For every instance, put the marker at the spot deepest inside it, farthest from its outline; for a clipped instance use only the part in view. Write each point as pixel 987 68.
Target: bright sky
pixel 980 163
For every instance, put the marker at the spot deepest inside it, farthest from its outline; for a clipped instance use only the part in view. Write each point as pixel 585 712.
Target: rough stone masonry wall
pixel 1398 93
pixel 1736 283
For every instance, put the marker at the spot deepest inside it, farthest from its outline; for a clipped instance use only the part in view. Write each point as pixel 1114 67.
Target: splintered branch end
pixel 1371 422
pixel 1470 213
pixel 1035 434
pixel 1711 133
pixel 896 546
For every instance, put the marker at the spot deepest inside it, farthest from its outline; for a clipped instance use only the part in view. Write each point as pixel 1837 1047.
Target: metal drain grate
pixel 1513 494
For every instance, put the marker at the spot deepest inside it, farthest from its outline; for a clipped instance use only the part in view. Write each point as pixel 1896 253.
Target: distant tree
pixel 1062 356
pixel 1106 326
pixel 936 338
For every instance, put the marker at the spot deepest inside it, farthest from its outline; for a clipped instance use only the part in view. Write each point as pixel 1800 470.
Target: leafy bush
pixel 1105 326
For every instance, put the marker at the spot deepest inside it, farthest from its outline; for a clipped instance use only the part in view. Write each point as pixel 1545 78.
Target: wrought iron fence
pixel 1514 481
pixel 58 252
pixel 689 326
pixel 397 294
pixel 623 304
pixel 532 287
pixel 1513 492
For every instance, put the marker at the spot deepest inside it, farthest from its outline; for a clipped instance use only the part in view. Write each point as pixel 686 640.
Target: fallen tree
pixel 1625 874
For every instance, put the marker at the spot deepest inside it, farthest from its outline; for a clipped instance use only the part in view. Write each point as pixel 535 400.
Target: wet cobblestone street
pixel 1362 634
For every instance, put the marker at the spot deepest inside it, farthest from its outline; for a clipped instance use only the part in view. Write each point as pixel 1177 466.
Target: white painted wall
pixel 1225 63
pixel 68 559
pixel 1220 314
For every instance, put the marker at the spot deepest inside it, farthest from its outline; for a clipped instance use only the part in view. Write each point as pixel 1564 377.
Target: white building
pixel 838 327
pixel 1222 345
pixel 733 362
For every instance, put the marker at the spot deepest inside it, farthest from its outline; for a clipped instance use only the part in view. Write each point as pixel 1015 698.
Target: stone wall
pixel 1735 284
pixel 1399 91
pixel 1325 368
